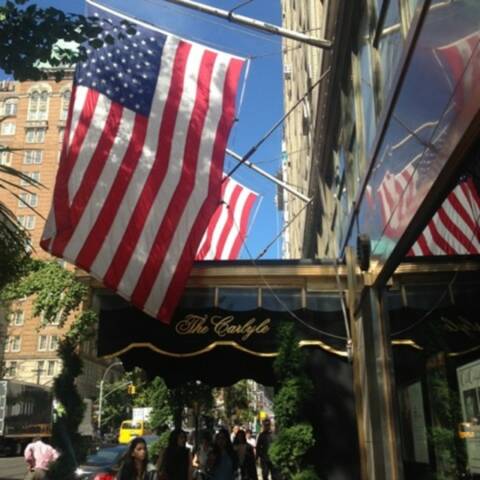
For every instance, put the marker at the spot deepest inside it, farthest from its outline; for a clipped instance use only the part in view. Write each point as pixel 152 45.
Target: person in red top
pixel 39 456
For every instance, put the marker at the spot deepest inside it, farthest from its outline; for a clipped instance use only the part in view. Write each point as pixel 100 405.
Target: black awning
pixel 213 345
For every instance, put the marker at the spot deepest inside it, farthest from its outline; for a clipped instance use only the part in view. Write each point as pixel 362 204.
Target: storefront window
pixel 323 302
pixel 238 299
pixel 281 299
pixel 198 298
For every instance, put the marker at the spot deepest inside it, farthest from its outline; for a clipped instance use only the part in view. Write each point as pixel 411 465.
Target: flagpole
pixel 251 22
pixel 265 174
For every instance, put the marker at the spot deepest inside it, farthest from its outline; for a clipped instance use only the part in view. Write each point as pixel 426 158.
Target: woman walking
pixel 246 457
pixel 176 462
pixel 225 462
pixel 135 464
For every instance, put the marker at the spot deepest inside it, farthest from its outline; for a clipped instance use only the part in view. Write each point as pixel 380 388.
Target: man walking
pixel 39 456
pixel 264 440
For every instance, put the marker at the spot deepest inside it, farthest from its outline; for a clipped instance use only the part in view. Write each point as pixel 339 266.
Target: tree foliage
pixel 237 403
pixel 29 37
pixel 57 296
pixel 295 439
pixel 14 240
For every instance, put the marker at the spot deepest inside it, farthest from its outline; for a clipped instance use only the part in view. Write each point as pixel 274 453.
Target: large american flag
pixel 228 227
pixel 142 160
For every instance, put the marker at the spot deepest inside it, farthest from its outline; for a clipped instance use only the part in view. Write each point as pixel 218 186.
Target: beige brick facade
pixel 32 120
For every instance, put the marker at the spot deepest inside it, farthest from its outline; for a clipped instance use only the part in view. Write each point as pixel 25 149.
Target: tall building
pixel 392 167
pixel 32 123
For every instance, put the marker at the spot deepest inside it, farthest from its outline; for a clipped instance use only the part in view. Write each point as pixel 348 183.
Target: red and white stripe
pixel 454 58
pixel 134 195
pixel 398 203
pixel 455 227
pixel 228 227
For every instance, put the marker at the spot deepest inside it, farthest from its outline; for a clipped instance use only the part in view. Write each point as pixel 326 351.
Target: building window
pixel 65 103
pixel 35 135
pixel 33 157
pixel 6 158
pixel 15 343
pixel 11 369
pixel 8 128
pixel 17 318
pixel 61 134
pixel 51 368
pixel 33 175
pixel 40 369
pixel 42 343
pixel 27 199
pixel 53 343
pixel 38 106
pixel 27 221
pixel 9 107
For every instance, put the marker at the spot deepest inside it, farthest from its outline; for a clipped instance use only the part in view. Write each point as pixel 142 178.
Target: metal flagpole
pixel 258 24
pixel 277 124
pixel 274 179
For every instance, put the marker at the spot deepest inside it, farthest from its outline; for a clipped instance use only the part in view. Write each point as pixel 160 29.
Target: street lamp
pixel 100 397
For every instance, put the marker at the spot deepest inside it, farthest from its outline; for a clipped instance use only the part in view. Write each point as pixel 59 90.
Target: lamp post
pixel 100 397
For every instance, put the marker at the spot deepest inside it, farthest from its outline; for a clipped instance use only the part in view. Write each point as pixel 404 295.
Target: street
pixel 12 468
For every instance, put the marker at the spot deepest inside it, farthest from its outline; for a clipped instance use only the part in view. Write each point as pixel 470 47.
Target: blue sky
pixel 262 102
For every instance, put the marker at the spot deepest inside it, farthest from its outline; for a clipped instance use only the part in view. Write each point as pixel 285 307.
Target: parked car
pixel 104 464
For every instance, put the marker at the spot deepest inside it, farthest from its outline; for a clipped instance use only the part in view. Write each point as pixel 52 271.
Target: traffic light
pixel 131 389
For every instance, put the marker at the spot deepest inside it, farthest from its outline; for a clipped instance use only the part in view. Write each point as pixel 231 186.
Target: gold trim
pixel 323 346
pixel 407 343
pixel 457 354
pixel 224 343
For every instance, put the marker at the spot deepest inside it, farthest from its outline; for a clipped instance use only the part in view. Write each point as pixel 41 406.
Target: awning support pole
pixel 265 174
pixel 257 24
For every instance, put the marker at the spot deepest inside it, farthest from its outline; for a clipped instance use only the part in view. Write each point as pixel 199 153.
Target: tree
pixel 295 438
pixel 59 296
pixel 237 403
pixel 29 39
pixel 14 240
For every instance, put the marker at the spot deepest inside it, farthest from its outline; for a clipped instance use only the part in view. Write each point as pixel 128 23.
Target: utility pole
pixel 100 396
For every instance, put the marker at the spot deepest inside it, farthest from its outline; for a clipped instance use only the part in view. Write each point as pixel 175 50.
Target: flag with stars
pixel 142 160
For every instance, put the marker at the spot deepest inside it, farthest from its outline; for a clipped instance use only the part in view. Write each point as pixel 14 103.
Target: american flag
pixel 455 227
pixel 228 227
pixel 142 160
pixel 453 59
pixel 453 230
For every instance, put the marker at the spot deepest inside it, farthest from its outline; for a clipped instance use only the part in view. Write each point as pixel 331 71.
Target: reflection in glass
pixel 390 46
pixel 196 298
pixel 426 297
pixel 323 302
pixel 238 299
pixel 282 299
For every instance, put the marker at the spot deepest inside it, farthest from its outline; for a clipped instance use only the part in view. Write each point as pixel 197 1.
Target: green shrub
pixel 290 399
pixel 290 447
pixel 308 474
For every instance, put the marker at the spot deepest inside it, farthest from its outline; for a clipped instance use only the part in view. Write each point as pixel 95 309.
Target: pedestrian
pixel 176 461
pixel 250 438
pixel 225 463
pixel 264 440
pixel 200 459
pixel 134 465
pixel 39 456
pixel 234 432
pixel 246 457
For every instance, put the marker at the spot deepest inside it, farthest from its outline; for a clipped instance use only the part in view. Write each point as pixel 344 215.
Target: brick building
pixel 32 120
